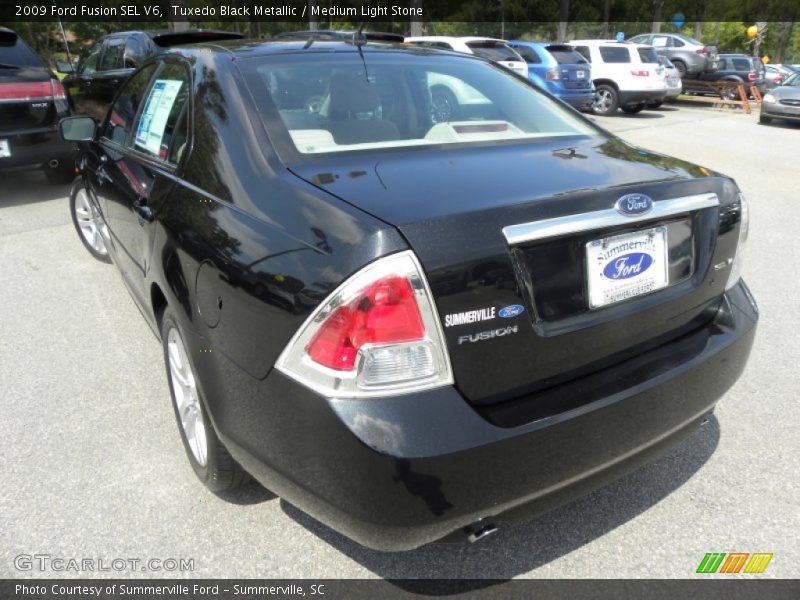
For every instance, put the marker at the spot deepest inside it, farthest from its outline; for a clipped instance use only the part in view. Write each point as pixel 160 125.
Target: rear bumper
pixel 36 147
pixel 576 98
pixel 639 96
pixel 396 473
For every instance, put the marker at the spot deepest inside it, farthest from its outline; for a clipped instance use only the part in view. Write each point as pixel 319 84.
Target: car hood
pixel 789 91
pixel 412 185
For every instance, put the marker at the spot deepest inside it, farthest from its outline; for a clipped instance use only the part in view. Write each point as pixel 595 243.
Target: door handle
pixel 145 214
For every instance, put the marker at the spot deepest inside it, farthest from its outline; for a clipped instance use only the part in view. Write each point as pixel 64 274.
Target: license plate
pixel 625 266
pixel 5 149
pixel 580 74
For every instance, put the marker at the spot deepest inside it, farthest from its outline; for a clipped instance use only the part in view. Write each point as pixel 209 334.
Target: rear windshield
pixel 690 40
pixel 18 54
pixel 565 55
pixel 319 103
pixel 493 50
pixel 648 55
pixel 615 54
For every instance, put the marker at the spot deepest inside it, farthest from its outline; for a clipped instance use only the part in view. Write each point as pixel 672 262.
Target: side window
pixel 112 57
pixel 661 41
pixel 677 43
pixel 584 52
pixel 88 64
pixel 528 54
pixel 615 54
pixel 119 121
pixel 161 130
pixel 134 53
pixel 741 64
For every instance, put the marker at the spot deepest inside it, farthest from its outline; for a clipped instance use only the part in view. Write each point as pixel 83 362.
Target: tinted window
pixel 528 54
pixel 647 55
pixel 493 50
pixel 565 55
pixel 677 43
pixel 741 64
pixel 135 53
pixel 584 52
pixel 18 54
pixel 161 128
pixel 119 121
pixel 88 63
pixel 400 102
pixel 615 54
pixel 112 56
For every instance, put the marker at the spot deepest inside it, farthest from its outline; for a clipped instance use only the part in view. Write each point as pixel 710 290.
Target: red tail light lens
pixel 38 90
pixel 553 74
pixel 640 73
pixel 386 312
pixel 702 50
pixel 377 334
pixel 778 79
pixel 752 76
pixel 57 88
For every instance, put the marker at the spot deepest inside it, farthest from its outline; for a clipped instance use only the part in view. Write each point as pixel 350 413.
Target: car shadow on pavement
pixel 645 114
pixel 251 493
pixel 26 187
pixel 516 550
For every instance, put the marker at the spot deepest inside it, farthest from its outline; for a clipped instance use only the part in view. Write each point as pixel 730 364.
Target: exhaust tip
pixel 53 164
pixel 482 533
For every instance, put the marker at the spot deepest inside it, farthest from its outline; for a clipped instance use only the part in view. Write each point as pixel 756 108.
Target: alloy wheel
pixel 186 397
pixel 90 224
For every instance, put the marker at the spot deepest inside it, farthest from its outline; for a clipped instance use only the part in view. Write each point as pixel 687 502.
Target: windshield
pixel 18 54
pixel 792 80
pixel 318 103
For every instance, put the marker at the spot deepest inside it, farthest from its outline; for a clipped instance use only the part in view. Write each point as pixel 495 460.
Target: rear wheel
pixel 679 64
pixel 606 100
pixel 210 460
pixel 88 222
pixel 632 109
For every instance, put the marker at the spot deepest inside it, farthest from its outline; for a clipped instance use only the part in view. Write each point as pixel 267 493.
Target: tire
pixel 88 222
pixel 62 174
pixel 606 100
pixel 655 104
pixel 764 120
pixel 444 104
pixel 633 109
pixel 210 460
pixel 681 66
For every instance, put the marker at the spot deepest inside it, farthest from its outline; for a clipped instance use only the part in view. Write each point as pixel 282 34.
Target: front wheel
pixel 632 109
pixel 88 222
pixel 606 100
pixel 210 460
pixel 764 119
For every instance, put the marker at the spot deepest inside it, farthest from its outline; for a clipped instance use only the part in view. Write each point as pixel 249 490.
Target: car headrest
pixel 352 94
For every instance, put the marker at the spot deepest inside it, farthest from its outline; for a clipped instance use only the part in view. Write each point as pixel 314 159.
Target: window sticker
pixel 150 131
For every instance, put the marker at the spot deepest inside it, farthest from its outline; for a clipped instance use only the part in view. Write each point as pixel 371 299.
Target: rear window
pixel 615 54
pixel 493 50
pixel 647 55
pixel 17 54
pixel 565 55
pixel 316 103
pixel 528 54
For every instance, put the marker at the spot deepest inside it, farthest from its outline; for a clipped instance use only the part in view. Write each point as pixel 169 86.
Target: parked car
pixel 782 102
pixel 672 79
pixel 738 68
pixel 559 69
pixel 110 61
pixel 690 56
pixel 32 100
pixel 774 75
pixel 625 75
pixel 477 320
pixel 489 48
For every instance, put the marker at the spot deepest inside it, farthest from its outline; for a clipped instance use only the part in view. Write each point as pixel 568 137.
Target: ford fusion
pixel 411 325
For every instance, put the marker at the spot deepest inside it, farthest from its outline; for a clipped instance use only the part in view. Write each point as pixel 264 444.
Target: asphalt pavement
pixel 91 463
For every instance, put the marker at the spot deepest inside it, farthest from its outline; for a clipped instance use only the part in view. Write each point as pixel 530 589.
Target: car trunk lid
pixel 26 91
pixel 515 309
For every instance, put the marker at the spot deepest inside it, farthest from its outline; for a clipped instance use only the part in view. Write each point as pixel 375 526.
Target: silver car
pixel 690 56
pixel 782 102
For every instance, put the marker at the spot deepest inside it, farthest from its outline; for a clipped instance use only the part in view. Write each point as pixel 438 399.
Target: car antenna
pixel 359 39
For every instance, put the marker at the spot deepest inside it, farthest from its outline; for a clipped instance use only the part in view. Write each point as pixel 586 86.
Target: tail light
pixel 377 334
pixel 25 92
pixel 553 74
pixel 751 76
pixel 744 230
pixel 59 96
pixel 643 73
pixel 702 50
pixel 778 79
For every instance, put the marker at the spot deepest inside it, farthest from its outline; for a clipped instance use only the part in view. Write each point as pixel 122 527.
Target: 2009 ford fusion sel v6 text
pixel 412 326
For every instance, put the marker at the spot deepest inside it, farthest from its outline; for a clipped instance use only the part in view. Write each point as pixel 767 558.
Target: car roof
pixel 452 38
pixel 604 42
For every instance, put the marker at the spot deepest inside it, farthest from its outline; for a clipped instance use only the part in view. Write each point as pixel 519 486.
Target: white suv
pixel 490 48
pixel 625 75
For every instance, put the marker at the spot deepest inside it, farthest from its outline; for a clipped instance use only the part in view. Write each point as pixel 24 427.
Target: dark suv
pixel 32 100
pixel 691 57
pixel 739 68
pixel 110 61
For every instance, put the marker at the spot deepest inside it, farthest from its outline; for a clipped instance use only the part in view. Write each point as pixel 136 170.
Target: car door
pixel 139 171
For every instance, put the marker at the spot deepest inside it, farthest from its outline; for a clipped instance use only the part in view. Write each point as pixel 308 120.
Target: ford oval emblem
pixel 634 204
pixel 513 310
pixel 628 265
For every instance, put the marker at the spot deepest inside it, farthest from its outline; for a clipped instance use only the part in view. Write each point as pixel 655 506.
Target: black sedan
pixel 410 327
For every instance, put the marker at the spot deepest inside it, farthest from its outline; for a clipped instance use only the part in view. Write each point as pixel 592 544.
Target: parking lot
pixel 92 466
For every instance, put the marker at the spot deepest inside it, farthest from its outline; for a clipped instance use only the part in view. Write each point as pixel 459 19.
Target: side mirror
pixel 63 66
pixel 77 129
